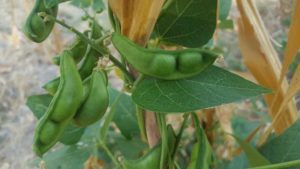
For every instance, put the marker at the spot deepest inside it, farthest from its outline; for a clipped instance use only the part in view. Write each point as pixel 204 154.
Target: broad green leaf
pixel 68 157
pixel 38 104
pixel 285 147
pixel 225 6
pixel 72 134
pixel 190 23
pixel 212 87
pixel 253 155
pixel 91 134
pixel 124 113
pixel 130 149
pixel 202 154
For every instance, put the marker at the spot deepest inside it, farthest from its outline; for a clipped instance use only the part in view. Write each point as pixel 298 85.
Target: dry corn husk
pixel 262 61
pixel 137 19
pixel 293 43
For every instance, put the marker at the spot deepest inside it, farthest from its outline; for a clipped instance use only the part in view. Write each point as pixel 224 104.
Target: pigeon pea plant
pixel 80 105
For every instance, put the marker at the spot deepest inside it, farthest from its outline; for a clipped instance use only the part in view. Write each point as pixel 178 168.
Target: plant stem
pixel 111 18
pixel 164 138
pixel 279 165
pixel 109 153
pixel 178 137
pixel 177 165
pixel 141 122
pixel 91 43
pixel 108 119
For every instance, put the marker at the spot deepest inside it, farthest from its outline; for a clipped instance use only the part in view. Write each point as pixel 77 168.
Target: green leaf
pixel 289 165
pixel 51 3
pixel 243 126
pixel 202 154
pixel 130 149
pixel 190 23
pixel 97 5
pixel 38 104
pixel 253 155
pixel 226 24
pixel 212 87
pixel 124 113
pixel 225 6
pixel 285 147
pixel 91 134
pixel 237 163
pixel 81 3
pixel 72 134
pixel 68 157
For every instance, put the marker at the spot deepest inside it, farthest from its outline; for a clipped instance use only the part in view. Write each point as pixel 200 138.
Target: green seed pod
pixel 50 131
pixel 38 25
pixel 90 59
pixel 162 67
pixel 149 161
pixel 62 107
pixel 36 28
pixel 78 49
pixel 91 56
pixel 89 63
pixel 152 159
pixel 96 103
pixel 189 62
pixel 85 70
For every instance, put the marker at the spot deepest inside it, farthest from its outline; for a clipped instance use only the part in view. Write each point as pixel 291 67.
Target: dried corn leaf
pixel 124 10
pixel 294 88
pixel 145 16
pixel 249 138
pixel 262 60
pixel 137 19
pixel 293 43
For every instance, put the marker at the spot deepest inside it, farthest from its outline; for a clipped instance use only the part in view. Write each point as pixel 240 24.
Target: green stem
pixel 177 165
pixel 179 135
pixel 279 165
pixel 164 138
pixel 111 18
pixel 108 119
pixel 109 153
pixel 141 122
pixel 138 80
pixel 91 43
